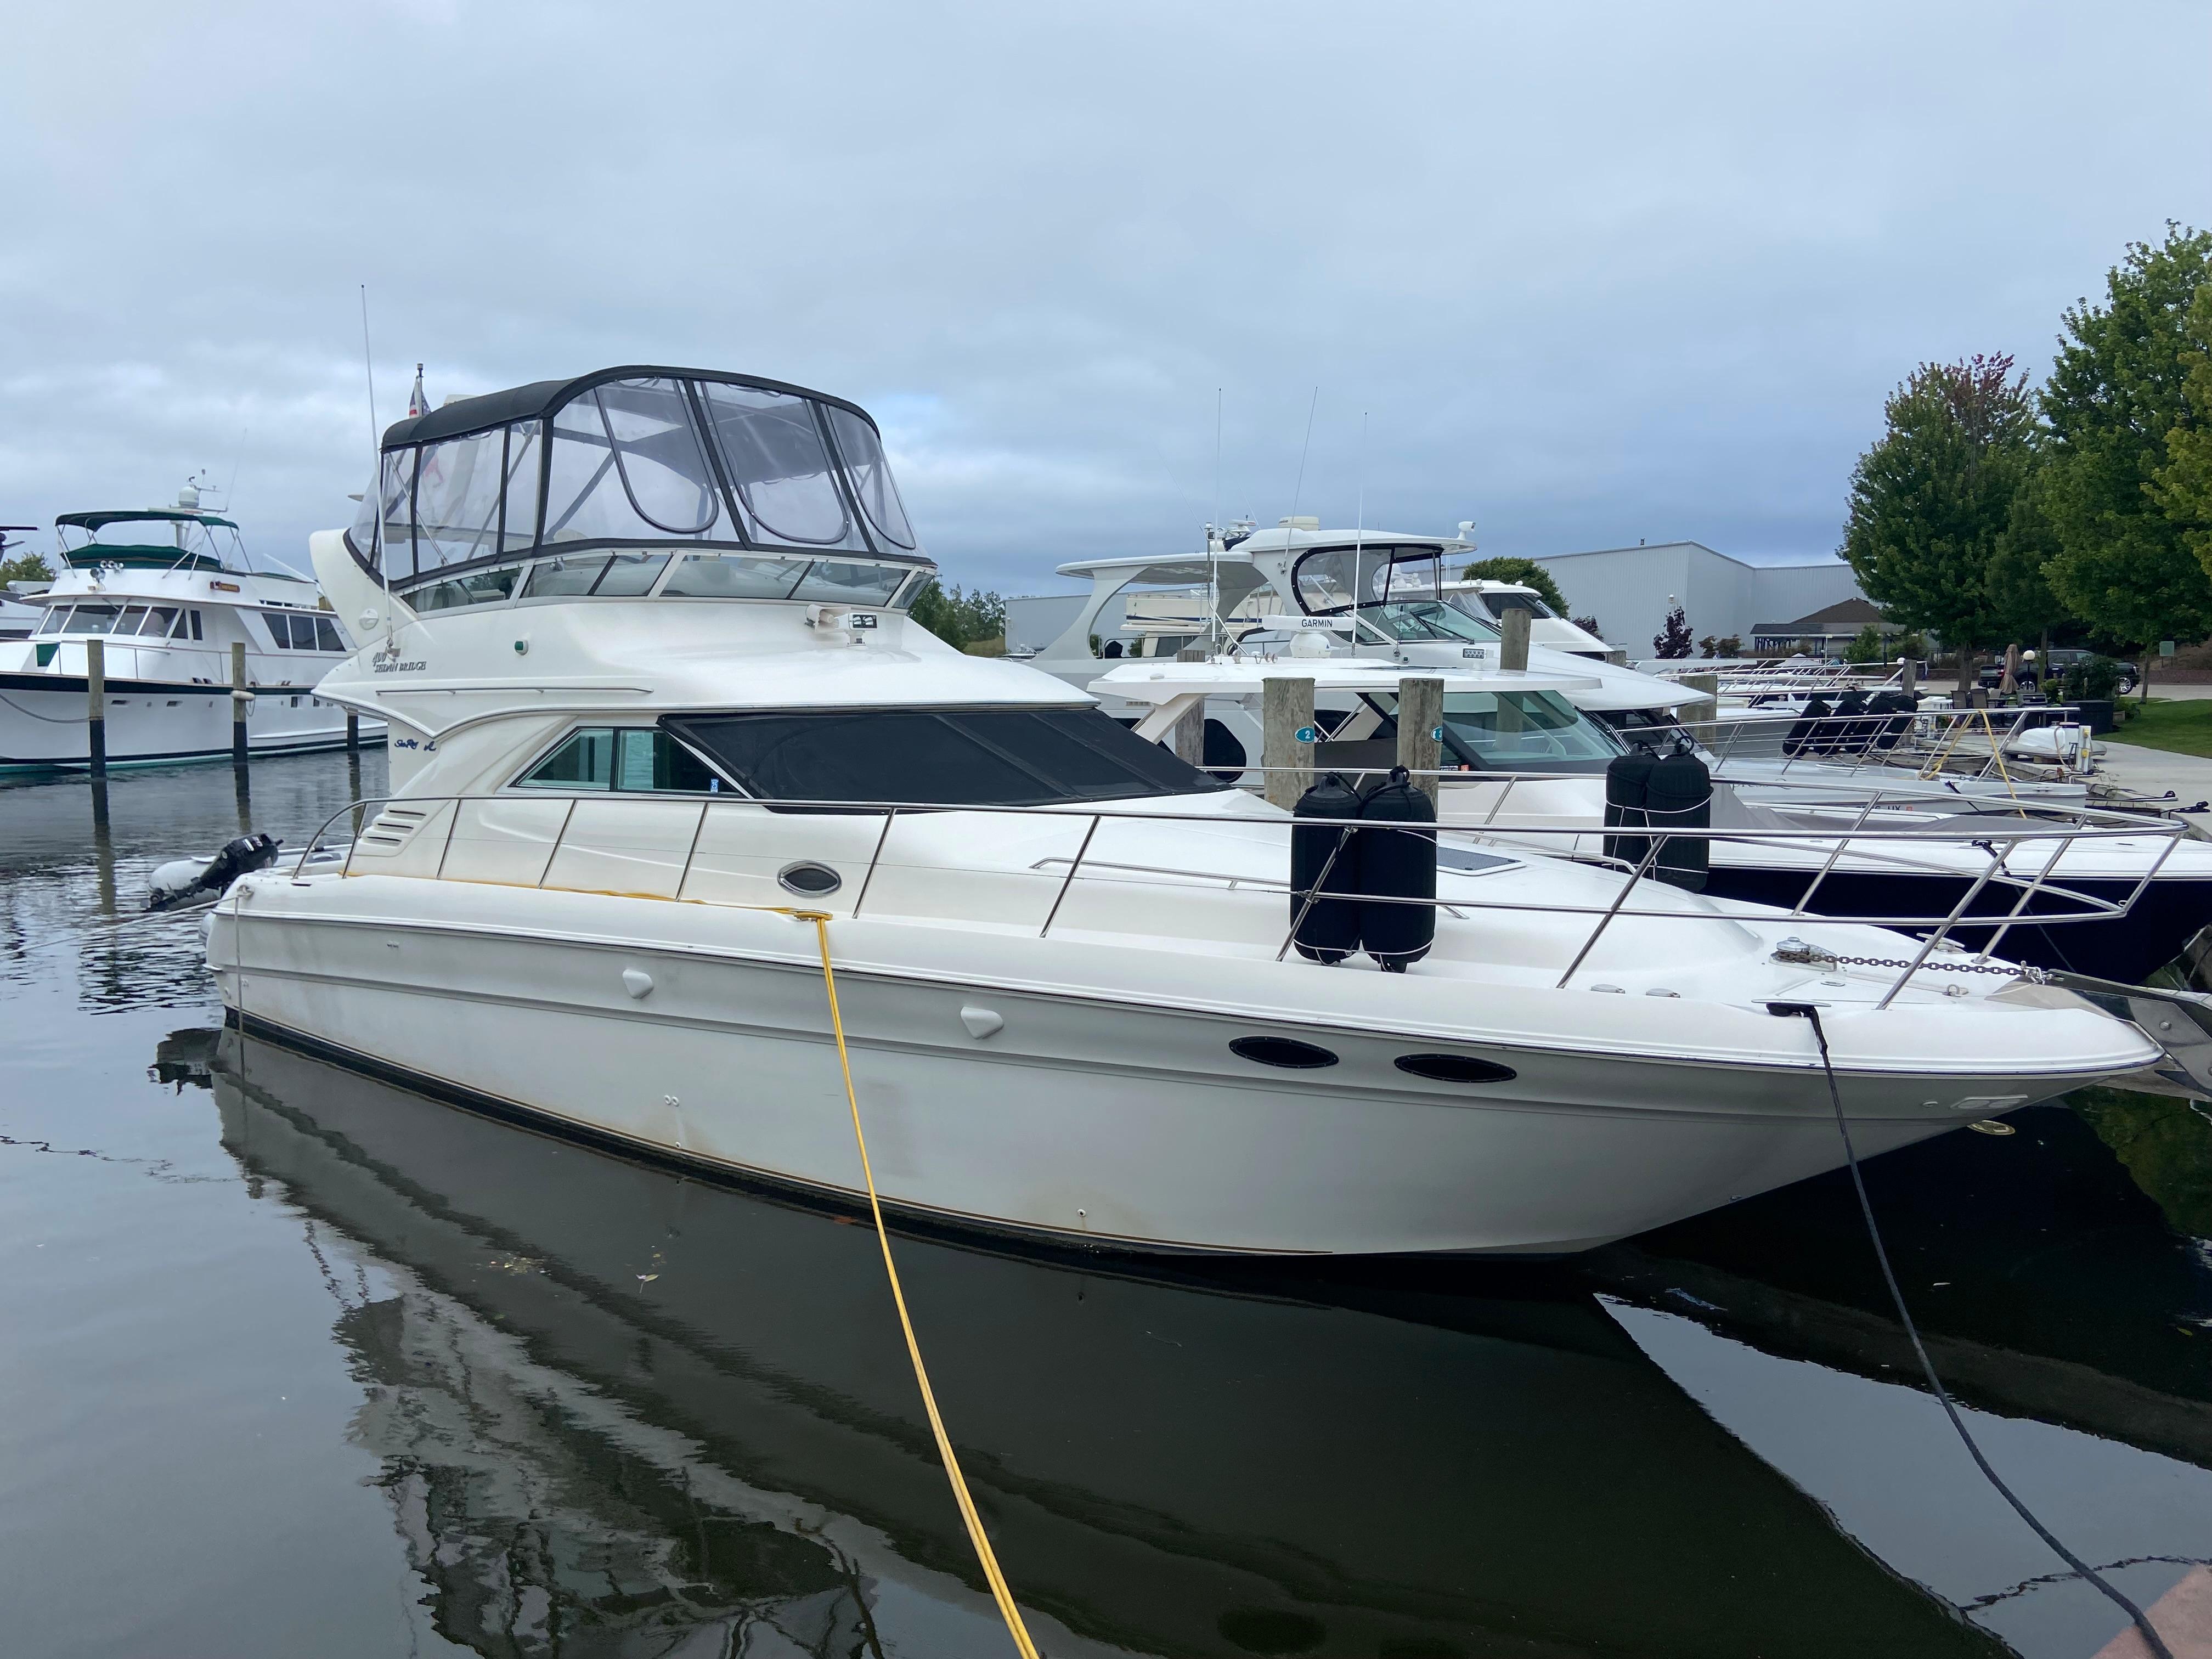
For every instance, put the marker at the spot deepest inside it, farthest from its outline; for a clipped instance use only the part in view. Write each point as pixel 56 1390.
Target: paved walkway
pixel 2154 771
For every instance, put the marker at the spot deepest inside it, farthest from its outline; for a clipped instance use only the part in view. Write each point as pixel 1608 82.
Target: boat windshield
pixel 626 459
pixel 1329 580
pixel 1414 621
pixel 946 756
pixel 1518 731
pixel 1500 602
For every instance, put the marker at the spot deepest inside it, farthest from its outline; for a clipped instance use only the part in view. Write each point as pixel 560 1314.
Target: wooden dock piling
pixel 95 705
pixel 1287 735
pixel 240 698
pixel 1420 728
pixel 1513 643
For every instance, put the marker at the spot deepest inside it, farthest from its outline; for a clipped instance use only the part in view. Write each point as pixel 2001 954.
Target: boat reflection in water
pixel 621 1412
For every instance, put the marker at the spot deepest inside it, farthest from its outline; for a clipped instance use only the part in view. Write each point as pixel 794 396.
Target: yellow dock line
pixel 1000 1592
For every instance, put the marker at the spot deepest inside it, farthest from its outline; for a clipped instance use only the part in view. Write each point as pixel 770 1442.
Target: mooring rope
pixel 1000 1592
pixel 2135 1614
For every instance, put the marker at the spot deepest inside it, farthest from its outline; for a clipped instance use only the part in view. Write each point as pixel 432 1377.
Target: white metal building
pixel 1629 589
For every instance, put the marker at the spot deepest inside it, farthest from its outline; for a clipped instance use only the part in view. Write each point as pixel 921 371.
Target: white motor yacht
pixel 167 591
pixel 670 707
pixel 1519 763
pixel 1372 593
pixel 1491 601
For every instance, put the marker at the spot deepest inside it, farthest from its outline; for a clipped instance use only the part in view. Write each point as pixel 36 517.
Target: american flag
pixel 418 401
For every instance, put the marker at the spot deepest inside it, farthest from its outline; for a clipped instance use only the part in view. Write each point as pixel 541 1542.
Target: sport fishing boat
pixel 1518 763
pixel 642 637
pixel 167 591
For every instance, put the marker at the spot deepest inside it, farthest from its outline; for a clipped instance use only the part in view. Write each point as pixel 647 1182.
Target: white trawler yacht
pixel 167 591
pixel 646 635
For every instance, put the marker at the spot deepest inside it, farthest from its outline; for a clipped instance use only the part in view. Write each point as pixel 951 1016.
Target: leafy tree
pixel 2183 487
pixel 1727 645
pixel 1673 639
pixel 1589 625
pixel 25 568
pixel 1527 572
pixel 1869 646
pixel 963 621
pixel 2119 492
pixel 2021 603
pixel 1931 502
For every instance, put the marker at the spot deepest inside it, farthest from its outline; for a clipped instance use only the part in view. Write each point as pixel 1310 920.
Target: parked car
pixel 2032 671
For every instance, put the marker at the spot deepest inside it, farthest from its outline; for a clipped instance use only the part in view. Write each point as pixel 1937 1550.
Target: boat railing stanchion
pixel 1650 854
pixel 558 836
pixel 875 857
pixel 1835 852
pixel 240 698
pixel 95 706
pixel 1496 806
pixel 2027 897
pixel 1068 880
pixel 1927 946
pixel 691 852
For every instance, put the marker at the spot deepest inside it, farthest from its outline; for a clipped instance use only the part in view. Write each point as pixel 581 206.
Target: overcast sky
pixel 1585 274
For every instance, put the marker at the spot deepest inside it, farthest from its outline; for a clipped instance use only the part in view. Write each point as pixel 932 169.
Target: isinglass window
pixel 633 759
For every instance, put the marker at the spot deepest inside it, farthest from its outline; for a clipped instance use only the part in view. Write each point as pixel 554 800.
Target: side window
pixel 585 761
pixel 327 637
pixel 649 759
pixel 639 759
pixel 196 624
pixel 52 621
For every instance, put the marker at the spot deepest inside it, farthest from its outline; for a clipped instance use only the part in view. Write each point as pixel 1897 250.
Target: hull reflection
pixel 622 1412
pixel 2061 1272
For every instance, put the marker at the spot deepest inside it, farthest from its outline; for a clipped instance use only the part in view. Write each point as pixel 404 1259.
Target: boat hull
pixel 45 727
pixel 1122 1122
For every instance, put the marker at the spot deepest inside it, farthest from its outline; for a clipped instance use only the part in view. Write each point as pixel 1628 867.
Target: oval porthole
pixel 1282 1051
pixel 1455 1068
pixel 809 879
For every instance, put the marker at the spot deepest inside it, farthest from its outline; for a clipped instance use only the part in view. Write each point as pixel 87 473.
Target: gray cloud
pixel 1590 273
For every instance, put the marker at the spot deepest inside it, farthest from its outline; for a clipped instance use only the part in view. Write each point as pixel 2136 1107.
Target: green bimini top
pixel 95 554
pixel 140 555
pixel 89 522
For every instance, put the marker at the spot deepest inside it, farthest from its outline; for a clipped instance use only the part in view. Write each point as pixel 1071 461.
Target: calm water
pixel 296 1363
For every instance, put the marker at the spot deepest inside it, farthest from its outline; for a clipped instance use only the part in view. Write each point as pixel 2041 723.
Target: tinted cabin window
pixel 953 758
pixel 585 761
pixel 635 758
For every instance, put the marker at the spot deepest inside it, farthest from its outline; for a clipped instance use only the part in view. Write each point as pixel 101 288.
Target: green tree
pixel 1673 638
pixel 1869 646
pixel 25 568
pixel 2022 602
pixel 1932 501
pixel 1527 572
pixel 961 620
pixel 2183 487
pixel 2119 489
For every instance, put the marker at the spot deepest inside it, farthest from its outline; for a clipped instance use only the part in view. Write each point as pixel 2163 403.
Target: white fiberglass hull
pixel 1107 1107
pixel 45 725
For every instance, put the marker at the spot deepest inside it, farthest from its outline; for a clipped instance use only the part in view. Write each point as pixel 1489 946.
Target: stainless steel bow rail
pixel 1998 842
pixel 1962 742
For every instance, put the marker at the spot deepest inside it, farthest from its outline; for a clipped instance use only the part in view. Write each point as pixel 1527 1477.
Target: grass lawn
pixel 2180 728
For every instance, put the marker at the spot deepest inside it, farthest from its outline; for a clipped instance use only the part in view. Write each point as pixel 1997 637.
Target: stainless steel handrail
pixel 1997 839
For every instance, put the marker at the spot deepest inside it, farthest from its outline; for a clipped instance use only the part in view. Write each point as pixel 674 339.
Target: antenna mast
pixel 375 468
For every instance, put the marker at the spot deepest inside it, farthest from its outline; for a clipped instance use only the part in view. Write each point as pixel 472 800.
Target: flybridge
pixel 563 486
